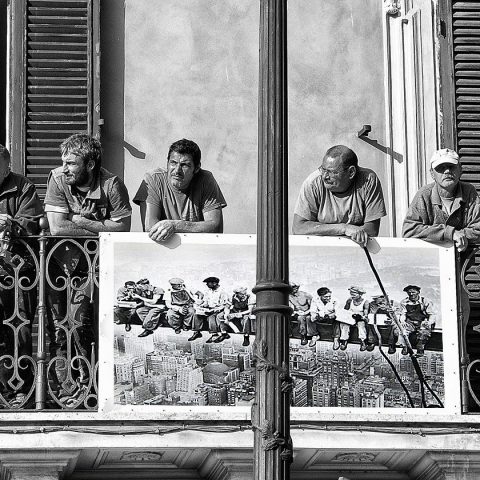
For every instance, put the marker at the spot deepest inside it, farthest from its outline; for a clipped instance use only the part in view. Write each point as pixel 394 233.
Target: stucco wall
pixel 191 70
pixel 3 68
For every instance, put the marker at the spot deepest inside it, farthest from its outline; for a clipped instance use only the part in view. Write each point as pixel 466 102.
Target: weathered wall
pixel 3 68
pixel 191 70
pixel 336 84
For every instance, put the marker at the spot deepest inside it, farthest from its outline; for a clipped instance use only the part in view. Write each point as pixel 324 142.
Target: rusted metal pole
pixel 271 412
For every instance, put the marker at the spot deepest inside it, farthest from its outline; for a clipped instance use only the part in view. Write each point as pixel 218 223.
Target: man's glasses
pixel 331 173
pixel 445 166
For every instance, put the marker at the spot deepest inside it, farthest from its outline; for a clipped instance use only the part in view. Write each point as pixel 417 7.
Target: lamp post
pixel 271 411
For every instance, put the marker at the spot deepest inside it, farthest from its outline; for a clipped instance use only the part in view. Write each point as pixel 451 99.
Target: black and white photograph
pixel 240 239
pixel 183 322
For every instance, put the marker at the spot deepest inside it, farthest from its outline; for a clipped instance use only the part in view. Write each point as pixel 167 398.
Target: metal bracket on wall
pixel 364 131
pixel 363 135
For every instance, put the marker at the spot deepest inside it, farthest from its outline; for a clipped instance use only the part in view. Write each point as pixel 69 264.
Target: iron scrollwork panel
pixel 19 278
pixel 49 323
pixel 72 322
pixel 470 282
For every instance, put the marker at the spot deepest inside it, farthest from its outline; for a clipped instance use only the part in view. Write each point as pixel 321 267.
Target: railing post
pixel 41 381
pixel 271 412
pixel 463 309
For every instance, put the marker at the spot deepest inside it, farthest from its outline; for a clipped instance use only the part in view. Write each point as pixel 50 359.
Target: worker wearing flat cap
pixel 357 307
pixel 447 209
pixel 213 303
pixel 418 317
pixel 237 316
pixel 180 304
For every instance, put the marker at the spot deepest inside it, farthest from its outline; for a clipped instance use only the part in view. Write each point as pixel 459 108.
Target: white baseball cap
pixel 445 155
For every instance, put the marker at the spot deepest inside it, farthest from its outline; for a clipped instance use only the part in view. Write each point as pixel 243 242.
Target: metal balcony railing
pixel 49 323
pixel 470 330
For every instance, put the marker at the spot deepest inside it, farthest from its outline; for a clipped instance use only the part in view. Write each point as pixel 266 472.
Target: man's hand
pixel 460 240
pixel 162 230
pixel 357 234
pixel 88 210
pixel 184 310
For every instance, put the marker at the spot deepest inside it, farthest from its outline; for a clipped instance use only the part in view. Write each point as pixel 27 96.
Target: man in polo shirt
pixel 340 198
pixel 20 210
pixel 184 198
pixel 82 199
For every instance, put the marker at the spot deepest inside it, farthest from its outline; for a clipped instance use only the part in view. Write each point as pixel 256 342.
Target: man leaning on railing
pixel 82 199
pixel 20 210
pixel 446 210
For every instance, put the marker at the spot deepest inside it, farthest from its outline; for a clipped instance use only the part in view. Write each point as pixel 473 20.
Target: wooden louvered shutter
pixel 466 59
pixel 54 80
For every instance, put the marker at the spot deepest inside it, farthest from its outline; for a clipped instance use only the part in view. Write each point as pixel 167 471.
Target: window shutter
pixel 466 45
pixel 57 79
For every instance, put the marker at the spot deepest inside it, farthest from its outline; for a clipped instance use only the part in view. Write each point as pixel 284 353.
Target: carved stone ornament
pixel 392 7
pixel 362 457
pixel 140 457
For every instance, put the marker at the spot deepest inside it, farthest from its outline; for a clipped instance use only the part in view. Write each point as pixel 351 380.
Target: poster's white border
pixel 109 410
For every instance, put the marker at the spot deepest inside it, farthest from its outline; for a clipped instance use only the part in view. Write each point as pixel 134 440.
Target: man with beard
pixel 447 210
pixel 82 198
pixel 340 198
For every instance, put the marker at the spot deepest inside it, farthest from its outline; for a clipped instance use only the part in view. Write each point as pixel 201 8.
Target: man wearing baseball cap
pixel 447 209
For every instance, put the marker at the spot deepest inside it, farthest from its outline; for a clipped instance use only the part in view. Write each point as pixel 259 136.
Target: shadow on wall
pixel 112 44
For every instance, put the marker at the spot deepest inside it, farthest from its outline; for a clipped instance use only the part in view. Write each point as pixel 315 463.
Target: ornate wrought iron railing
pixel 469 329
pixel 49 323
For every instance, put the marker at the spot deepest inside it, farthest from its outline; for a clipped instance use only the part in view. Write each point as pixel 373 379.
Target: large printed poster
pixel 179 320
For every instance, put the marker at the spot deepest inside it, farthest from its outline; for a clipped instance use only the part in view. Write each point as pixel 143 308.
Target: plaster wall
pixel 3 69
pixel 191 70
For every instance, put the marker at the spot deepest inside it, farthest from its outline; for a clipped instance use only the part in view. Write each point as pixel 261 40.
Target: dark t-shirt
pixel 202 195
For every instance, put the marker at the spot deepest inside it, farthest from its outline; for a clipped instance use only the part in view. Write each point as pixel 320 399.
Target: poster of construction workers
pixel 367 325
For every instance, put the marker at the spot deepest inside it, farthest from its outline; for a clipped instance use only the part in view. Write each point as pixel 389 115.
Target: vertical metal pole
pixel 271 412
pixel 463 314
pixel 41 381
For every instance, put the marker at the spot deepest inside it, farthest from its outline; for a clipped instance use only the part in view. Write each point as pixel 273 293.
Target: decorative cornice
pixel 144 457
pixel 355 457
